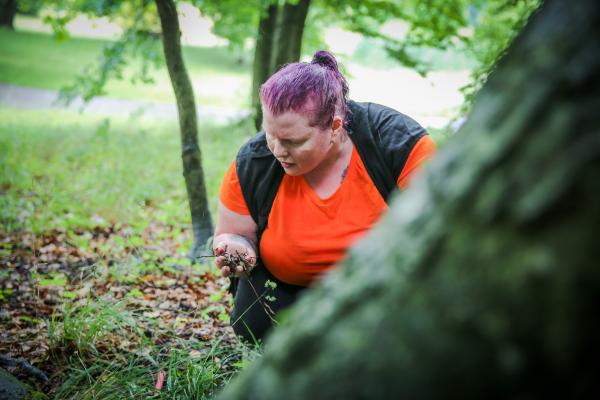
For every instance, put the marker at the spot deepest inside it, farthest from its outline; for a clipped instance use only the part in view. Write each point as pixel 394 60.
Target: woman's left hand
pixel 236 254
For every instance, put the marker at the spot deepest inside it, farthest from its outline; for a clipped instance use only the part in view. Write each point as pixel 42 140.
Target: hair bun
pixel 325 59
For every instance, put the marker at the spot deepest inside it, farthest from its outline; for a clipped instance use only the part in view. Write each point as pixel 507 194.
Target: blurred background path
pixel 34 98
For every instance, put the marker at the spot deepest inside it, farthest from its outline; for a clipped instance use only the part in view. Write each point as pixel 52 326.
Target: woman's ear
pixel 337 123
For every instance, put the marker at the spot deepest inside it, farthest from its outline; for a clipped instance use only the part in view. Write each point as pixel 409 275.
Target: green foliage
pixel 5 294
pixel 440 33
pixel 29 7
pixel 116 57
pixel 138 42
pixel 482 28
pixel 131 270
pixel 56 278
pixel 135 56
pixel 496 25
pixel 234 20
pixel 135 292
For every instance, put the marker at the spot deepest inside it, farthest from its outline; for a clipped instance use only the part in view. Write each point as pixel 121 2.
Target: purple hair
pixel 316 89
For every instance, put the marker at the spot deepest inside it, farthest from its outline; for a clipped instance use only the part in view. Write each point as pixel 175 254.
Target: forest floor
pixel 100 331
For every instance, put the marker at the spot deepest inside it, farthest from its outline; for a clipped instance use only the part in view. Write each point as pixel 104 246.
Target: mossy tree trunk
pixel 8 10
pixel 482 280
pixel 279 41
pixel 191 155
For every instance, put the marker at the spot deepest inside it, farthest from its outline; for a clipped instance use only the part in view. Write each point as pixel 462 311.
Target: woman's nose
pixel 279 150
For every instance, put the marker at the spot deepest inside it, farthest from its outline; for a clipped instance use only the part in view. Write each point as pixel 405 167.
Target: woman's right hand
pixel 236 254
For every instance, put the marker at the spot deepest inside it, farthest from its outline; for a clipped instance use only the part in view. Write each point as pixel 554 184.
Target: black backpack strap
pixel 260 175
pixel 384 139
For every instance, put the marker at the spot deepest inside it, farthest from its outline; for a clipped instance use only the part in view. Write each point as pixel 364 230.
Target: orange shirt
pixel 307 235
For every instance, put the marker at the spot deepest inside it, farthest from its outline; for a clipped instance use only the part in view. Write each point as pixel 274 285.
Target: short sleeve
pixel 231 192
pixel 423 150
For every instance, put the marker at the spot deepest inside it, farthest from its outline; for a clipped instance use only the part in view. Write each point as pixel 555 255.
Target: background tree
pixel 139 41
pixel 278 42
pixel 276 27
pixel 8 9
pixel 482 280
pixel 186 106
pixel 262 57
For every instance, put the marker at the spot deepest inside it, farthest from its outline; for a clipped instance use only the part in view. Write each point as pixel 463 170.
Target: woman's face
pixel 297 145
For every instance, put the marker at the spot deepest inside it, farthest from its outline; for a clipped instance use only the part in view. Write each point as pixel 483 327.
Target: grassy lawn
pixel 61 169
pixel 38 60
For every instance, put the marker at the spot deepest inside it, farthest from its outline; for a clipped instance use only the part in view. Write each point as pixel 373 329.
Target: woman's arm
pixel 234 242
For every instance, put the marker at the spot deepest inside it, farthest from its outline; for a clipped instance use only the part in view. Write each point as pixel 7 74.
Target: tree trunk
pixel 482 280
pixel 290 26
pixel 280 44
pixel 191 156
pixel 262 58
pixel 8 10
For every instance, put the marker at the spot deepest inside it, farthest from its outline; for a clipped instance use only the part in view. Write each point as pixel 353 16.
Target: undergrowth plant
pixel 93 327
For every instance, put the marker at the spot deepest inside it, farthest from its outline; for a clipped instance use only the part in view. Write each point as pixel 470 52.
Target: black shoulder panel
pixel 384 139
pixel 397 134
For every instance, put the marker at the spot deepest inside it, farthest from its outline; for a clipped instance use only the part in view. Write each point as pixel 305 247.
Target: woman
pixel 301 192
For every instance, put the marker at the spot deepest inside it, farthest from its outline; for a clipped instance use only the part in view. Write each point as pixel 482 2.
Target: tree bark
pixel 482 280
pixel 290 26
pixel 262 58
pixel 186 107
pixel 281 43
pixel 8 10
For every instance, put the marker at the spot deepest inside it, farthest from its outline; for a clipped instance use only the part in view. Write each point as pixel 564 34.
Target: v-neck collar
pixel 312 194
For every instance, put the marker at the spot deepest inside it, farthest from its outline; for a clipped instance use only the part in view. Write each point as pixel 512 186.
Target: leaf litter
pixel 44 276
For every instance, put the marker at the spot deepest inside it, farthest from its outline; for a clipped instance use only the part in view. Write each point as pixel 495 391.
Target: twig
pixel 233 260
pixel 267 309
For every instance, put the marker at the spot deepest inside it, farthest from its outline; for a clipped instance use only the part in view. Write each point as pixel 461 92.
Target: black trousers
pixel 256 302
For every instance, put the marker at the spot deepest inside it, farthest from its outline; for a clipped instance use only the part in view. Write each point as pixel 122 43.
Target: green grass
pixel 61 170
pixel 39 60
pixel 83 341
pixel 133 375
